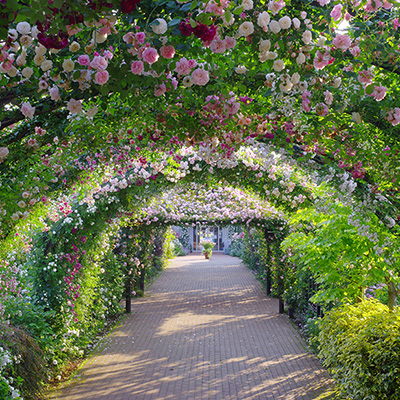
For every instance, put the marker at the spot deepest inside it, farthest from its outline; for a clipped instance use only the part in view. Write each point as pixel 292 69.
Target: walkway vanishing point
pixel 204 330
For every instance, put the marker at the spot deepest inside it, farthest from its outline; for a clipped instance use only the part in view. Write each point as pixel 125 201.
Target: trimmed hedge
pixel 360 346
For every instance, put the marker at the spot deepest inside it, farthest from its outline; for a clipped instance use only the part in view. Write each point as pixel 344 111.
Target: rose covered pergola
pixel 114 111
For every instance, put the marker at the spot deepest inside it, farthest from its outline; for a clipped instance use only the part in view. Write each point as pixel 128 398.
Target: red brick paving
pixel 204 330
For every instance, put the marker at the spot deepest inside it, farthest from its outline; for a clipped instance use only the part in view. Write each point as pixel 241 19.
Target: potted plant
pixel 207 245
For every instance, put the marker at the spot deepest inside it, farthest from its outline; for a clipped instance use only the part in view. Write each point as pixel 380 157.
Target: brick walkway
pixel 205 330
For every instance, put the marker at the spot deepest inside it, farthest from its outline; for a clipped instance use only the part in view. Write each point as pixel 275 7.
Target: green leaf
pixel 238 10
pixel 193 5
pixel 228 16
pixel 369 89
pixel 174 22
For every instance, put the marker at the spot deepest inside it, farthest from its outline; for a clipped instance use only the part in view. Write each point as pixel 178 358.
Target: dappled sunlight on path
pixel 205 330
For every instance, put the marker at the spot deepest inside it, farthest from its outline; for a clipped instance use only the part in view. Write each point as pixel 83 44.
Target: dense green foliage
pixel 360 346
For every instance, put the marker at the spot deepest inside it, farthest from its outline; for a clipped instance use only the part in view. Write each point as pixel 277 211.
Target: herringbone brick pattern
pixel 204 330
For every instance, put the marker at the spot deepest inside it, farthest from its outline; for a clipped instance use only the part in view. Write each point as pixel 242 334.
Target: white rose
pixel 286 87
pixel 12 72
pixel 262 57
pixel 296 23
pixel 356 117
pixel 265 45
pixel 187 81
pixel 303 86
pixel 161 28
pixel 92 112
pixel 301 59
pixel 279 65
pixel 13 34
pixel 74 47
pixel 241 69
pixel 68 65
pixel 46 65
pixel 247 5
pixel 27 72
pixel 295 78
pixel 23 28
pixel 263 19
pixel 337 82
pixel 15 47
pixel 21 60
pixel 271 55
pixel 274 26
pixel 26 40
pixel 4 152
pixel 35 31
pixel 99 38
pixel 21 204
pixel 40 50
pixel 321 41
pixel 246 29
pixel 307 37
pixel 285 22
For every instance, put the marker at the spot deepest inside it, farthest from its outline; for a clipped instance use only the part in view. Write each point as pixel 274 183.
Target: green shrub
pixel 360 346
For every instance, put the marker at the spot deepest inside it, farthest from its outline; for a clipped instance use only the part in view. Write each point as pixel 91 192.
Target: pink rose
pixel 321 60
pixel 159 90
pixel 192 64
pixel 342 41
pixel 379 92
pixel 137 67
pixel 150 55
pixel 129 38
pixel 365 77
pixel 336 12
pixel 355 51
pixel 167 51
pixel 322 109
pixel 200 77
pixel 328 97
pixel 101 77
pixel 182 67
pixel 218 46
pixel 74 106
pixel 230 42
pixel 140 37
pixel 27 110
pixel 54 93
pixel 99 63
pixel 84 60
pixel 108 55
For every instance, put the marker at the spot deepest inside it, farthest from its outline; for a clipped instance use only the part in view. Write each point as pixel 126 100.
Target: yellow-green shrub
pixel 360 346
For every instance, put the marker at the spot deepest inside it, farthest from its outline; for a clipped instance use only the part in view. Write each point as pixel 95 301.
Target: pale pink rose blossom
pixel 322 109
pixel 328 97
pixel 192 64
pixel 323 2
pixel 218 46
pixel 365 77
pixel 159 90
pixel 129 38
pixel 84 59
pixel 150 55
pixel 140 37
pixel 108 55
pixel 27 110
pixel 321 60
pixel 101 77
pixel 167 51
pixel 137 67
pixel 336 12
pixel 393 116
pixel 342 42
pixel 74 106
pixel 99 63
pixel 182 67
pixel 355 51
pixel 379 92
pixel 230 42
pixel 200 77
pixel 54 93
pixel 3 152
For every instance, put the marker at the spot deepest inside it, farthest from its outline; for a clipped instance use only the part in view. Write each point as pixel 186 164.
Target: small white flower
pixel 68 65
pixel 279 65
pixel 74 47
pixel 274 26
pixel 246 28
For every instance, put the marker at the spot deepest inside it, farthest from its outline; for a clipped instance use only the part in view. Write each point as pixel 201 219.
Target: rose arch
pixel 120 118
